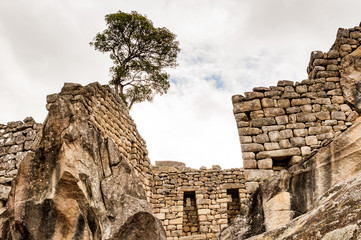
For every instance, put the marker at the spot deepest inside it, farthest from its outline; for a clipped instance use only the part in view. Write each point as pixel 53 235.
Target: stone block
pixel 333 54
pixel 268 102
pixel 311 140
pixel 306 108
pixel 263 122
pixel 272 93
pixel 257 175
pixel 252 147
pixel 282 120
pixel 249 164
pixel 279 153
pixel 245 139
pixel 306 117
pixel 285 144
pixel 297 141
pixel 241 124
pixel 300 101
pixel 256 114
pixel 262 138
pixel 300 132
pixel 271 146
pixel 265 163
pixel 322 115
pixel 273 112
pixel 249 131
pixel 288 133
pixel 329 122
pixel 247 106
pixel 301 88
pixel 290 95
pixel 283 103
pixel 267 129
pixel 283 83
pixel 333 79
pixel 305 151
pixel 203 212
pixel 241 117
pixel 251 187
pixel 295 126
pixel 324 136
pixel 319 130
pixel 248 156
pixel 253 95
pixel 338 99
pixel 338 115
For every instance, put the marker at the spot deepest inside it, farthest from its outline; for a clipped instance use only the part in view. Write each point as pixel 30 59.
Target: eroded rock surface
pixel 74 184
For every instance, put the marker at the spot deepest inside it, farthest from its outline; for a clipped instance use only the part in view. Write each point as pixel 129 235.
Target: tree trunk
pixel 116 90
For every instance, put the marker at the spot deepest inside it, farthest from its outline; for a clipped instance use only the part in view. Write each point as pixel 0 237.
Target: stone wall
pixel 280 125
pixel 196 204
pixel 16 139
pixel 111 117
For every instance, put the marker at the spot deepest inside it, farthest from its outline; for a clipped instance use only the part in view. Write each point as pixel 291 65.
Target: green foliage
pixel 140 52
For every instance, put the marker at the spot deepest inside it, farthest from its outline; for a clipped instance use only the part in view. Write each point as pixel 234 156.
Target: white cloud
pixel 228 47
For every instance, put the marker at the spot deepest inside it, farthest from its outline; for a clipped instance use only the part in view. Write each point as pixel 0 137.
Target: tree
pixel 140 52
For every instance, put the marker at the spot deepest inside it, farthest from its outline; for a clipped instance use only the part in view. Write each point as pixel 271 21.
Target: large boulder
pixel 66 187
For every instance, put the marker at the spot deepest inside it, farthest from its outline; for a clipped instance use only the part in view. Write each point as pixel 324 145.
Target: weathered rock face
pixel 74 184
pixel 335 216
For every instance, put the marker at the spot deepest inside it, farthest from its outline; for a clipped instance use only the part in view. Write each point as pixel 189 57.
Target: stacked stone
pixel 211 200
pixel 16 139
pixel 281 124
pixel 111 117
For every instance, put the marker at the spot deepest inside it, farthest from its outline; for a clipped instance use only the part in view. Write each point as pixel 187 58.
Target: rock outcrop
pixel 75 184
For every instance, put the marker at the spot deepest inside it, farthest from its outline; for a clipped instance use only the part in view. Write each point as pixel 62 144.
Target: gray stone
pixel 301 88
pixel 247 106
pixel 245 139
pixel 241 117
pixel 323 116
pixel 295 125
pixel 251 187
pixel 311 140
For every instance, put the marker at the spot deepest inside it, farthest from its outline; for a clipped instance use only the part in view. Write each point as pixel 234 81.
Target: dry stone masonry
pixel 196 204
pixel 280 125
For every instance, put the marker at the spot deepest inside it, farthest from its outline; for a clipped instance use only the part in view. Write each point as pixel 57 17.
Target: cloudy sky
pixel 228 47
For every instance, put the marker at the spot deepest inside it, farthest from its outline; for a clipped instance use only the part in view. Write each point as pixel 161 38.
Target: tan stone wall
pixel 111 117
pixel 211 200
pixel 16 139
pixel 280 125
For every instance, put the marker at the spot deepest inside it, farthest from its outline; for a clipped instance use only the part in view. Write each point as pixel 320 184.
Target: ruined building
pixel 85 173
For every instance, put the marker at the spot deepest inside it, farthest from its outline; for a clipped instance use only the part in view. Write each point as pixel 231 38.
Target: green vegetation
pixel 140 52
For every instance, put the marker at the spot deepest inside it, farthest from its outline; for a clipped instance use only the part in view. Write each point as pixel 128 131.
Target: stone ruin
pixel 293 138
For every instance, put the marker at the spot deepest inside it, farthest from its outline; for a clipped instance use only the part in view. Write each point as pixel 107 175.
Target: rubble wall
pixel 214 203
